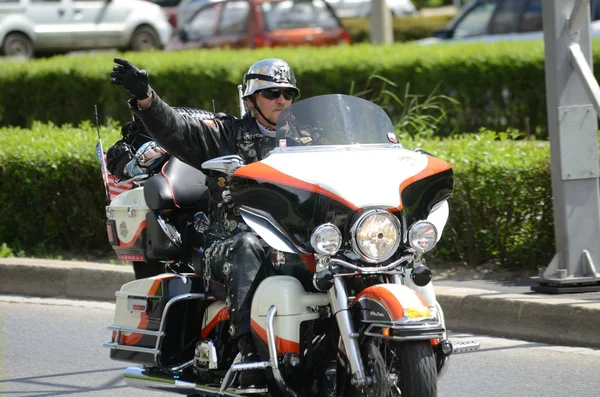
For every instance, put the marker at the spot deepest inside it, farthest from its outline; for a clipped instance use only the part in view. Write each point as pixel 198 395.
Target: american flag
pixel 112 183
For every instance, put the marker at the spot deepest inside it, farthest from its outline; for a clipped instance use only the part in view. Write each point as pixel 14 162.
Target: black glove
pixel 134 80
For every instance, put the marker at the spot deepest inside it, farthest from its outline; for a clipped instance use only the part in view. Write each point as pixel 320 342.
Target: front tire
pixel 147 269
pixel 398 369
pixel 417 373
pixel 17 45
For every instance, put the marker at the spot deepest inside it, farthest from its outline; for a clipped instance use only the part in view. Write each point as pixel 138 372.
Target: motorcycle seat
pixel 178 185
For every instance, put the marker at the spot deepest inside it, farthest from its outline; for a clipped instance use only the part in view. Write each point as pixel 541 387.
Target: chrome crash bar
pixel 159 334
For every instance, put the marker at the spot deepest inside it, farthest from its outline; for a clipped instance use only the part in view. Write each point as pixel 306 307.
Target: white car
pixel 496 20
pixel 34 27
pixel 362 8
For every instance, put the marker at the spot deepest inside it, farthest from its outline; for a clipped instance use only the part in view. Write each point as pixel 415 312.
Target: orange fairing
pixel 262 172
pixel 221 316
pixel 134 338
pixel 434 166
pixel 283 345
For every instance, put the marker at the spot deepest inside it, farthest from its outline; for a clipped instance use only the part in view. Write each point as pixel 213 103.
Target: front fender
pixel 391 303
pixel 394 311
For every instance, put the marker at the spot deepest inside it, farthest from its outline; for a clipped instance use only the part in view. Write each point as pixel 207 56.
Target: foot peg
pixel 465 347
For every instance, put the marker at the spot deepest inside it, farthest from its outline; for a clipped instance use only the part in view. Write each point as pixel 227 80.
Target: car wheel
pixel 17 45
pixel 145 38
pixel 147 269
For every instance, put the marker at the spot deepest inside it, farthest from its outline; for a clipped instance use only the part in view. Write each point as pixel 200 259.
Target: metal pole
pixel 573 102
pixel 382 31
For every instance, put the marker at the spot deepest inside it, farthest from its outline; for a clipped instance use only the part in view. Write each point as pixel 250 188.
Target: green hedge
pixel 497 85
pixel 405 28
pixel 53 199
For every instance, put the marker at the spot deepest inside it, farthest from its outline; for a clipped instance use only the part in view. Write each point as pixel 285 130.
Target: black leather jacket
pixel 195 140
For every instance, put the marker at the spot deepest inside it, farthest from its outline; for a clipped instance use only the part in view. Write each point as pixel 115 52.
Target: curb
pixel 536 318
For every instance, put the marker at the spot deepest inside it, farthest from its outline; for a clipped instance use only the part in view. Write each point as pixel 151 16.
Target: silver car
pixel 34 27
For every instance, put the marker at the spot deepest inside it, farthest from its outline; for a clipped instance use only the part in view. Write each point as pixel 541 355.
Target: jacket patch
pixel 210 123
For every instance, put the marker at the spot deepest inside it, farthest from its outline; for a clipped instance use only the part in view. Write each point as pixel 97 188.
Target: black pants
pixel 239 262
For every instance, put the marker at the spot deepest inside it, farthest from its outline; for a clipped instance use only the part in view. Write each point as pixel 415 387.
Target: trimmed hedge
pixel 498 85
pixel 53 198
pixel 405 28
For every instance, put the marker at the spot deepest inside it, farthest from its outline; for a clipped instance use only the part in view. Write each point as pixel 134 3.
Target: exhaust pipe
pixel 154 380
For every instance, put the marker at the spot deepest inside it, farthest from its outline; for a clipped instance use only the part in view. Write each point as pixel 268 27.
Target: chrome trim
pixel 182 366
pixel 160 333
pixel 226 164
pixel 273 353
pixel 159 381
pixel 174 238
pixel 465 347
pixel 357 225
pixel 323 226
pixel 338 299
pixel 270 231
pixel 424 331
pixel 410 229
pixel 406 258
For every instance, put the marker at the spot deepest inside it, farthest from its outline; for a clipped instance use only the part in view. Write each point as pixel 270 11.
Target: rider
pixel 234 255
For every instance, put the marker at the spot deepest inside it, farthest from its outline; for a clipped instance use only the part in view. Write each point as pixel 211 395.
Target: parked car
pixel 362 8
pixel 263 23
pixel 34 27
pixel 169 7
pixel 187 8
pixel 493 20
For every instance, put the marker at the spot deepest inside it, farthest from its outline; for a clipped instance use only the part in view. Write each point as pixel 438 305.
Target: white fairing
pixel 129 211
pixel 292 302
pixel 363 182
pixel 439 216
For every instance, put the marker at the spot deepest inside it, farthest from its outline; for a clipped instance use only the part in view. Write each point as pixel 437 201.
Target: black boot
pixel 249 355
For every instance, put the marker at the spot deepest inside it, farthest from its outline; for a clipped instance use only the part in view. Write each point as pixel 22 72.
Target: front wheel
pixel 416 368
pixel 398 369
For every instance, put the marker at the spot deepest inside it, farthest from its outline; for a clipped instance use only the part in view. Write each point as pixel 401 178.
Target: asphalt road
pixel 52 347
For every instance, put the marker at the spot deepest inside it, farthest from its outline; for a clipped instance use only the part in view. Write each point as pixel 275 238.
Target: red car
pixel 262 23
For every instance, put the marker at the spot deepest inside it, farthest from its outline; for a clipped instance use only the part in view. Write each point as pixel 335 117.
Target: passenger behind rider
pixel 234 255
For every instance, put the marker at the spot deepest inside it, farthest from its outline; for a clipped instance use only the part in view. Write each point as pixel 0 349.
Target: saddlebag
pixel 126 225
pixel 157 320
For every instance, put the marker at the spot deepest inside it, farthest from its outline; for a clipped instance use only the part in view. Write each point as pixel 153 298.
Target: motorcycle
pixel 348 308
pixel 151 216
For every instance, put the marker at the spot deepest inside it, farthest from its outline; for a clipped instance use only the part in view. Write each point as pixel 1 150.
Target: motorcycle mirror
pixel 421 275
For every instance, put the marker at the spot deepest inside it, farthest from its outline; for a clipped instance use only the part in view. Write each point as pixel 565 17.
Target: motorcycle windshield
pixel 335 119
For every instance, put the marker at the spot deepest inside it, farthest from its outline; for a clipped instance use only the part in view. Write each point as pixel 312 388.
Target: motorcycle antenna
pixel 240 95
pixel 214 108
pixel 100 154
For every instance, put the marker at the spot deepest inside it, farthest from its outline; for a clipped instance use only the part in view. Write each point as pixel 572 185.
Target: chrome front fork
pixel 338 299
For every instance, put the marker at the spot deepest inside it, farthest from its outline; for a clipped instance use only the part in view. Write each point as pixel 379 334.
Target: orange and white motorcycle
pixel 348 309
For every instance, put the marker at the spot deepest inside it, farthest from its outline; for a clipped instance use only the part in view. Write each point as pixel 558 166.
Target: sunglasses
pixel 272 94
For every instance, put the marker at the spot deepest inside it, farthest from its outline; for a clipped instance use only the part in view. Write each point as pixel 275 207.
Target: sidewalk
pixel 505 309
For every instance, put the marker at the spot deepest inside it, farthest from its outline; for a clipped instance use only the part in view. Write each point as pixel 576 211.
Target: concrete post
pixel 381 23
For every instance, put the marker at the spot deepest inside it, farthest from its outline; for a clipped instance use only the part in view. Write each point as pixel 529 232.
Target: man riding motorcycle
pixel 235 255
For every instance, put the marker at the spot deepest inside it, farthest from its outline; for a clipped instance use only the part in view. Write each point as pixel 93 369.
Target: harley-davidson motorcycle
pixel 348 308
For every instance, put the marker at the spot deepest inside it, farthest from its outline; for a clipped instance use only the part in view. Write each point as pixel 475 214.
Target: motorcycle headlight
pixel 376 236
pixel 326 239
pixel 422 236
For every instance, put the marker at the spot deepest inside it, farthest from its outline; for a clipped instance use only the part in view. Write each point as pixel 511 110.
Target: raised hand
pixel 131 78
